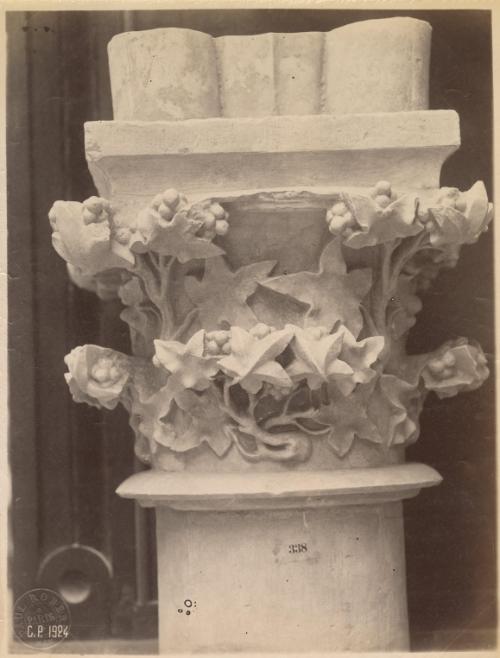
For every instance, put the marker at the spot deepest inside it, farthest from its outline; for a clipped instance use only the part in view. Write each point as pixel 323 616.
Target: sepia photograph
pixel 250 329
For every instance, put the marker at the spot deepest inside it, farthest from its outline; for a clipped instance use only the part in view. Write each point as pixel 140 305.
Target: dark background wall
pixel 67 459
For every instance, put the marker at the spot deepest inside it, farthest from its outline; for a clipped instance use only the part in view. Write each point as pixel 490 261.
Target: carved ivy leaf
pixel 478 211
pixel 453 217
pixel 360 356
pixel 105 285
pixel 85 239
pixel 201 420
pixel 379 225
pixel 317 357
pixel 251 361
pixel 331 293
pixel 185 362
pixel 141 315
pixel 176 237
pixel 221 295
pixel 152 415
pixel 347 418
pixel 393 407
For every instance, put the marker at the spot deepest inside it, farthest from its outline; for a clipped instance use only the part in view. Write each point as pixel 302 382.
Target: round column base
pixel 318 566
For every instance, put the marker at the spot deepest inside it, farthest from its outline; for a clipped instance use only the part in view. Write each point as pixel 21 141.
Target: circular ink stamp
pixel 41 619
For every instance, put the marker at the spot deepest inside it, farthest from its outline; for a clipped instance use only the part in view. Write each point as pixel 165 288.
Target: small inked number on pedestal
pixel 297 548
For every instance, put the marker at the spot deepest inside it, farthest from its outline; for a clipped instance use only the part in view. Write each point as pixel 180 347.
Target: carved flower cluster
pixel 329 384
pixel 94 238
pixel 450 217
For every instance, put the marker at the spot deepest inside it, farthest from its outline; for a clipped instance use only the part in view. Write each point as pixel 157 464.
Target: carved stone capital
pixel 271 326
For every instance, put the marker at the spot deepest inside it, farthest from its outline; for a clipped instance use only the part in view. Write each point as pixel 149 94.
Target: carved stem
pixel 403 254
pixel 249 426
pixel 382 289
pixel 185 324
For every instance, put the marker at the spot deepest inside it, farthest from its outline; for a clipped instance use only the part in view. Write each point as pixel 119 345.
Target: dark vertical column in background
pixel 67 459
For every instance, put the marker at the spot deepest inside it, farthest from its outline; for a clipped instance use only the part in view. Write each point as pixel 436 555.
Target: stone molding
pixel 286 490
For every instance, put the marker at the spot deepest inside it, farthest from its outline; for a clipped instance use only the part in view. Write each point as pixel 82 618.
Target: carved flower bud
pixel 212 217
pixel 383 187
pixel 167 203
pixel 261 330
pixel 383 200
pixel 218 343
pixel 96 210
pixel 221 227
pixel 339 208
pixel 340 219
pixel 123 235
pixel 382 194
pixel 105 371
pixel 437 367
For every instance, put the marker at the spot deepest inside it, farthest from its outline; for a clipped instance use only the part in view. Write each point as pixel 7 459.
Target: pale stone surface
pixel 249 592
pixel 378 66
pixel 163 74
pixel 368 66
pixel 288 489
pixel 217 157
pixel 246 69
pixel 298 85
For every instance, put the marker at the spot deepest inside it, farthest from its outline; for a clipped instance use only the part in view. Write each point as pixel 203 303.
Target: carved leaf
pixel 85 240
pixel 141 315
pixel 360 356
pixel 317 359
pixel 202 421
pixel 453 218
pixel 104 284
pixel 251 361
pixel 332 294
pixel 221 295
pixel 185 362
pixel 347 418
pixel 390 407
pixel 176 237
pixel 379 225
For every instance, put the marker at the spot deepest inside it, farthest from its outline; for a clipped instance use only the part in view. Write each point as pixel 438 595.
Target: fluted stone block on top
pixel 173 74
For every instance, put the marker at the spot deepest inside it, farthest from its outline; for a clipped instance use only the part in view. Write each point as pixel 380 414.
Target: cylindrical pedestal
pixel 282 580
pixel 284 562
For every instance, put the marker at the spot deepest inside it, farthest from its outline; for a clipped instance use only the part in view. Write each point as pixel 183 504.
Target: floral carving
pixel 82 233
pixel 97 375
pixel 208 371
pixel 332 294
pixel 221 296
pixel 376 219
